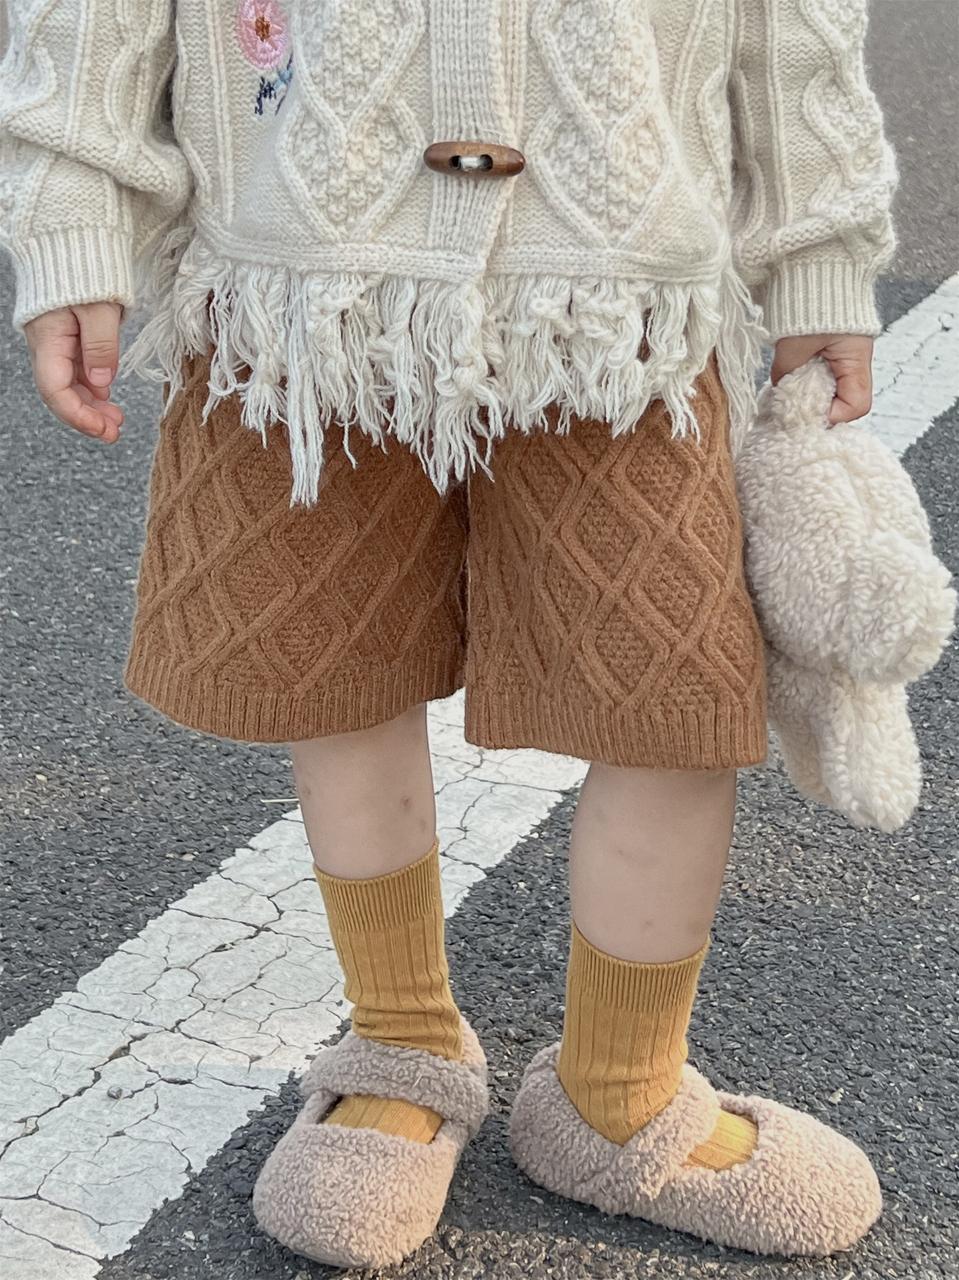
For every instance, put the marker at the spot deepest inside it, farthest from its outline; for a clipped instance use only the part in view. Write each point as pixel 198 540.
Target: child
pixel 486 280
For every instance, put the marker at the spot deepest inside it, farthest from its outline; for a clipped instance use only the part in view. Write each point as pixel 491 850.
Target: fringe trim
pixel 445 368
pixel 739 352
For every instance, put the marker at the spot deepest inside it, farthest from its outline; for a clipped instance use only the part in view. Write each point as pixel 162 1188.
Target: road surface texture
pixel 166 966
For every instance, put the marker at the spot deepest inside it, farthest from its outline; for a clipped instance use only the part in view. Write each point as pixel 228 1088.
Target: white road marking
pixel 916 370
pixel 121 1091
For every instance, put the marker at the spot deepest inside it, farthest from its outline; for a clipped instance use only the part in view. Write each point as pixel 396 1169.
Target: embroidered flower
pixel 263 32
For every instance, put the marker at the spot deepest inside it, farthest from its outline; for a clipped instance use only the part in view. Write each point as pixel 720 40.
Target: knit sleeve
pixel 814 175
pixel 90 172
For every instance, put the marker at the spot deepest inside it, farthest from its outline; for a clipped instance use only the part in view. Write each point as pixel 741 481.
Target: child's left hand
pixel 849 356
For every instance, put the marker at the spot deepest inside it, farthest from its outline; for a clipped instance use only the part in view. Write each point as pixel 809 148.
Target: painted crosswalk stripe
pixel 122 1090
pixel 916 370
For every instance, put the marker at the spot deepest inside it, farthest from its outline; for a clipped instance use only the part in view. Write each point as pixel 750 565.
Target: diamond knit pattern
pixel 591 596
pixel 351 148
pixel 260 620
pixel 601 147
pixel 607 593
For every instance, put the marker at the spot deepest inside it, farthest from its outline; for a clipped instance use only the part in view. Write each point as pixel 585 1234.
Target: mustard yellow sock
pixel 389 935
pixel 624 1045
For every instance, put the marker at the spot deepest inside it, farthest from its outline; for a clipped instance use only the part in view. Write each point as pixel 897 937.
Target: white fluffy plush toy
pixel 852 601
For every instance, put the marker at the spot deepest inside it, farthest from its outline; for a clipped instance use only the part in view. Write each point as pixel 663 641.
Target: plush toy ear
pixel 848 746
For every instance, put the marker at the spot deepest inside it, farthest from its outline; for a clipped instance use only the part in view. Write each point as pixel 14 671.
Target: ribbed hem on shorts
pixel 724 737
pixel 253 715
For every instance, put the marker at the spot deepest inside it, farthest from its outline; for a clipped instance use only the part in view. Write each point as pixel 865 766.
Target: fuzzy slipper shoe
pixel 358 1197
pixel 806 1190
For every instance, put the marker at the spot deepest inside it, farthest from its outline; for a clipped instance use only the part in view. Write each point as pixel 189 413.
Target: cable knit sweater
pixel 253 172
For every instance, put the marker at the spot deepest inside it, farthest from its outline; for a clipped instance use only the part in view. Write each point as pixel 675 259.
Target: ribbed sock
pixel 389 935
pixel 624 1045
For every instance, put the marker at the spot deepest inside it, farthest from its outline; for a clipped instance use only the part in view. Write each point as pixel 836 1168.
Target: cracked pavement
pixel 121 1091
pixel 151 1026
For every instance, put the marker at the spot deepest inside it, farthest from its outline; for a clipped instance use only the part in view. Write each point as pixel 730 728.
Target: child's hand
pixel 849 356
pixel 75 352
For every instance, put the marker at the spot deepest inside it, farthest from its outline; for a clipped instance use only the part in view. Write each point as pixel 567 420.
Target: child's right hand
pixel 75 352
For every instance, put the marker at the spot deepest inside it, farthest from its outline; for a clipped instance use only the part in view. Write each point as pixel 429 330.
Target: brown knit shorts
pixel 590 597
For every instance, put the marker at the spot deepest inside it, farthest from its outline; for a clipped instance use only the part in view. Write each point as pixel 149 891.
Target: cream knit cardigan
pixel 688 163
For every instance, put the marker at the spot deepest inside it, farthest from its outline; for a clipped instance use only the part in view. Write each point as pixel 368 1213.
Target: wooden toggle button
pixel 479 159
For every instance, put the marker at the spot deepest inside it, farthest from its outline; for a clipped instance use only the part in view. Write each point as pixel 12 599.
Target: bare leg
pixel 647 858
pixel 367 796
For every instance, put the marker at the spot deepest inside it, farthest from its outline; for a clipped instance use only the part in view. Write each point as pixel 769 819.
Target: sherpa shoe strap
pixel 455 1090
pixel 660 1149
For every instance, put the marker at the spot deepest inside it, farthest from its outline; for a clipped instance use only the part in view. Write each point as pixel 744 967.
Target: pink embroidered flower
pixel 263 32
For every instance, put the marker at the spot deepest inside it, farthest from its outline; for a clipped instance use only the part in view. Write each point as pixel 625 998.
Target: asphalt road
pixel 833 971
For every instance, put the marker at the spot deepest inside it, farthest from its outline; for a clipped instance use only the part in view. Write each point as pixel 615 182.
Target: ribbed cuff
pixel 69 266
pixel 383 902
pixel 631 985
pixel 832 295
